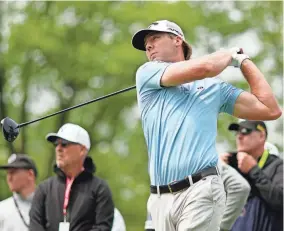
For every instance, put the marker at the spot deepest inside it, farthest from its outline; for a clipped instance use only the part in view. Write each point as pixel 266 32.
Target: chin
pixel 242 149
pixel 13 189
pixel 59 164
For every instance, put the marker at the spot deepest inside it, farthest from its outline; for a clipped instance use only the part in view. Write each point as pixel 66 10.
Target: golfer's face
pixel 67 153
pixel 160 46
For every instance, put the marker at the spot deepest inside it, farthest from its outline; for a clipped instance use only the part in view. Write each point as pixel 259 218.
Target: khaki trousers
pixel 198 208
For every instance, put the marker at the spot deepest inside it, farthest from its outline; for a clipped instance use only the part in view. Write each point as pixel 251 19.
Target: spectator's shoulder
pixel 99 181
pixel 47 183
pixel 6 203
pixel 276 160
pixel 100 185
pixel 6 208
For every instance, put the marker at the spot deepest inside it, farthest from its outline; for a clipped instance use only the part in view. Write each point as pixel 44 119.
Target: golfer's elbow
pixel 270 114
pixel 275 114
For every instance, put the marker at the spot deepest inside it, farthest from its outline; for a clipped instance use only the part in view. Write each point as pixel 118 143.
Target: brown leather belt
pixel 180 185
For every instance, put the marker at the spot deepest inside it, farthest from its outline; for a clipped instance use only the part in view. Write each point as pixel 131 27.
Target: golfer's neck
pixel 73 171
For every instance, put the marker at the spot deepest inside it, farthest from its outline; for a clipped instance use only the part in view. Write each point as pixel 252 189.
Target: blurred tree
pixel 59 54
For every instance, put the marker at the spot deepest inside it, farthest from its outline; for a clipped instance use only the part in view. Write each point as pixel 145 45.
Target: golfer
pixel 179 99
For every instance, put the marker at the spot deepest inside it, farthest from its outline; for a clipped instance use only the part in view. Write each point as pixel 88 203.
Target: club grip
pixel 241 51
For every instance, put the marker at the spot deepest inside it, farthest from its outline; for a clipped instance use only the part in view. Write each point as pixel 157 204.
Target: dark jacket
pixel 90 205
pixel 264 208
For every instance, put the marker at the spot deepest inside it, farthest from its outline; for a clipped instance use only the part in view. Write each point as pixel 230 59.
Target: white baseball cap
pixel 271 148
pixel 138 40
pixel 73 133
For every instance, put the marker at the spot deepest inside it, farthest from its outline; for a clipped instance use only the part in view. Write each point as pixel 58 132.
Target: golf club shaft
pixel 79 105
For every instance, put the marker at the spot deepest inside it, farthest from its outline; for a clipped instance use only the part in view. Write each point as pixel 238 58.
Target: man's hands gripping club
pixel 238 57
pixel 204 67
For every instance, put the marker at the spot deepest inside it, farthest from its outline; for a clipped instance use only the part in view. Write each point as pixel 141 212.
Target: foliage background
pixel 57 54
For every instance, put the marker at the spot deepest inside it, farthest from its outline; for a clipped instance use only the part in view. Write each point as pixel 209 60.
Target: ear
pixel 263 135
pixel 83 151
pixel 178 41
pixel 31 173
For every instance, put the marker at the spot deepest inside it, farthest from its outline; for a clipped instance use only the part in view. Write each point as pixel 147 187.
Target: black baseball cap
pixel 249 124
pixel 20 161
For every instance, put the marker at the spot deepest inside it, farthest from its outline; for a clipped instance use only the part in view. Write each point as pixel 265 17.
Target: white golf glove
pixel 238 59
pixel 238 56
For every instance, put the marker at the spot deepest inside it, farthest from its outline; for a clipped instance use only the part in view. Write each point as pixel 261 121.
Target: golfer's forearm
pixel 260 88
pixel 196 69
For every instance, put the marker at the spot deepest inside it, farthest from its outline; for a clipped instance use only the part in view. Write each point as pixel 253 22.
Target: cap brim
pixel 233 127
pixel 15 165
pixel 52 137
pixel 138 40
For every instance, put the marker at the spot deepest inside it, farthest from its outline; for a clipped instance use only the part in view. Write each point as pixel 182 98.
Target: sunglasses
pixel 244 131
pixel 64 143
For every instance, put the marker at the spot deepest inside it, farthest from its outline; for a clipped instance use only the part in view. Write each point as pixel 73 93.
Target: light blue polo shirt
pixel 180 123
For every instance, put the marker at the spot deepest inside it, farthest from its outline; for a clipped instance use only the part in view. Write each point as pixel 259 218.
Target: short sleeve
pixel 149 75
pixel 229 95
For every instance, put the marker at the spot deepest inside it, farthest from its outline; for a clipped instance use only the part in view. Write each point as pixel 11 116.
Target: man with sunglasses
pixel 264 172
pixel 74 199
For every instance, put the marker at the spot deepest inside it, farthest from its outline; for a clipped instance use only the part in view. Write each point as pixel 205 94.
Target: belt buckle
pixel 169 186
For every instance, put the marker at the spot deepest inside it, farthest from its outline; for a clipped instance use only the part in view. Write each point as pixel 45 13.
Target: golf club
pixel 11 129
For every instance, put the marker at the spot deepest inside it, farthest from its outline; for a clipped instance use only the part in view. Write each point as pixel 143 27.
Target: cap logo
pixel 153 24
pixel 61 129
pixel 175 31
pixel 260 128
pixel 12 158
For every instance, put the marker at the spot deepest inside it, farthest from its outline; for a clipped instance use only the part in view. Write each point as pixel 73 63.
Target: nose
pixel 9 177
pixel 149 47
pixel 58 147
pixel 240 136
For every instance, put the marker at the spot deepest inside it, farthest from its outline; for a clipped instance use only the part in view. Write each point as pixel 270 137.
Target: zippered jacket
pixel 90 206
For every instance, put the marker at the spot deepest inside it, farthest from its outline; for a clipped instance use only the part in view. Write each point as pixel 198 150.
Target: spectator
pixel 118 221
pixel 264 172
pixel 271 148
pixel 74 199
pixel 21 179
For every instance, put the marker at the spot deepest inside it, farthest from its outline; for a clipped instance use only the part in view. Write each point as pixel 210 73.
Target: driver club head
pixel 10 129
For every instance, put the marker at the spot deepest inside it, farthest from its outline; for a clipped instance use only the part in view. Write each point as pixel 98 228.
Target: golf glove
pixel 238 59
